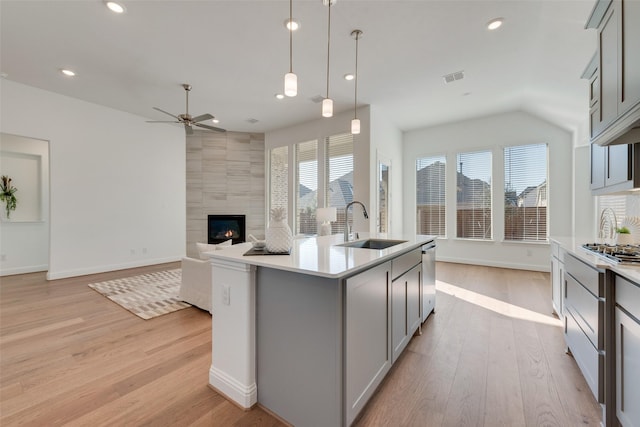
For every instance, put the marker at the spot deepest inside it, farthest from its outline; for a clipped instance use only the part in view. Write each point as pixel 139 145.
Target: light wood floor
pixel 492 355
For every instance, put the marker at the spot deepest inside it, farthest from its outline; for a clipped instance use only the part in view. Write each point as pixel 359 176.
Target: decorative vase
pixel 624 239
pixel 278 236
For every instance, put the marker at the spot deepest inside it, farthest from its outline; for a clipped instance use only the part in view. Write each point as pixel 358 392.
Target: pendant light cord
pixel 291 36
pixel 355 97
pixel 328 45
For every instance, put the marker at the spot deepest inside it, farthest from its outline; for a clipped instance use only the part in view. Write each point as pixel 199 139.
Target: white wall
pixel 494 132
pixel 117 184
pixel 24 238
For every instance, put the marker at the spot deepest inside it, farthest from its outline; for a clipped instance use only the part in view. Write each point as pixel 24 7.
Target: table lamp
pixel 325 216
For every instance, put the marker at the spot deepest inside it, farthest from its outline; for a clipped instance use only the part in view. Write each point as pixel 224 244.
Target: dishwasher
pixel 428 296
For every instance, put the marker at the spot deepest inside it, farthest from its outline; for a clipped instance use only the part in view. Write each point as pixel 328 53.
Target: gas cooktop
pixel 619 254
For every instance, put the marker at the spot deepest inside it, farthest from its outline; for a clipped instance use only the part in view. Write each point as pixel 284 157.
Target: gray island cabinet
pixel 310 336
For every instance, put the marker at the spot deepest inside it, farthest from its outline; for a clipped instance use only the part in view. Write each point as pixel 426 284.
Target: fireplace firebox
pixel 224 227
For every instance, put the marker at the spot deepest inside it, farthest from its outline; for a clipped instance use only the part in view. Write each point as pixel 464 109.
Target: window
pixel 279 178
pixel 306 187
pixel 430 195
pixel 473 195
pixel 339 176
pixel 525 193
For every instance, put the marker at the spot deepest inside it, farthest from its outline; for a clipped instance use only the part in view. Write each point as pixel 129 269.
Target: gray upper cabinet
pixel 614 168
pixel 614 73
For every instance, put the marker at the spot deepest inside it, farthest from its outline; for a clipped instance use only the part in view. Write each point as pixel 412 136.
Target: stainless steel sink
pixel 372 244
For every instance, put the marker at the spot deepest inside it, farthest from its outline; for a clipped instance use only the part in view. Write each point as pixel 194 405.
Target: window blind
pixel 431 195
pixel 525 193
pixel 279 177
pixel 473 195
pixel 339 176
pixel 306 155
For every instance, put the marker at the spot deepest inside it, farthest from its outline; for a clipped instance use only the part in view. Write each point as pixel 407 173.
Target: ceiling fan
pixel 186 119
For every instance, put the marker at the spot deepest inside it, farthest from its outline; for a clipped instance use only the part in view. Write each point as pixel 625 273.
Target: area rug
pixel 147 295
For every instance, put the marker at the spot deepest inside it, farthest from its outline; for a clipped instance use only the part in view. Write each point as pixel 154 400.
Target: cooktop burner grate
pixel 621 254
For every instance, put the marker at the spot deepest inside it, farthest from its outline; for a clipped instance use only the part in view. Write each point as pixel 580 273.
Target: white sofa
pixel 196 283
pixel 197 277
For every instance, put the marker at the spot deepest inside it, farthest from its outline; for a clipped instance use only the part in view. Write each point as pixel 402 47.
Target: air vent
pixel 317 99
pixel 449 78
pixel 253 121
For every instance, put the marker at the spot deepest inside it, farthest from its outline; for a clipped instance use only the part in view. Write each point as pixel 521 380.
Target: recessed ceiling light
pixel 215 121
pixel 349 76
pixel 279 96
pixel 114 7
pixel 67 72
pixel 494 24
pixel 292 24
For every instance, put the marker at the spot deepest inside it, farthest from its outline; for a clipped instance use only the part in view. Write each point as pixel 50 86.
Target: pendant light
pixel 355 123
pixel 327 103
pixel 290 79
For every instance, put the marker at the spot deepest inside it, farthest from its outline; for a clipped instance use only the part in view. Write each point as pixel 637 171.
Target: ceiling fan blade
pixel 162 111
pixel 161 121
pixel 202 118
pixel 209 127
pixel 188 129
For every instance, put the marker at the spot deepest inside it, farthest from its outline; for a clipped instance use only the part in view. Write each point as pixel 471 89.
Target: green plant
pixel 7 194
pixel 623 230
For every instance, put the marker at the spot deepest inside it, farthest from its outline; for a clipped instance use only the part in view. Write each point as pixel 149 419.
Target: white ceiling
pixel 235 54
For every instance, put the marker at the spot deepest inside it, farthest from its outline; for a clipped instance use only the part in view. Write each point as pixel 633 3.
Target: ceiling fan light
pixel 290 84
pixel 355 126
pixel 327 107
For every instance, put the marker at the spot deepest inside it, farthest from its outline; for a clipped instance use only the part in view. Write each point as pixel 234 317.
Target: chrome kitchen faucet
pixel 348 235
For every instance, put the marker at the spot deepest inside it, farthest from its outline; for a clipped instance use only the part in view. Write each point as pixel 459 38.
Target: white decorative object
pixel 326 216
pixel 279 237
pixel 633 224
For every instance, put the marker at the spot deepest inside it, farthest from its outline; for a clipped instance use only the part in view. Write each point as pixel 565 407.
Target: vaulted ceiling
pixel 235 54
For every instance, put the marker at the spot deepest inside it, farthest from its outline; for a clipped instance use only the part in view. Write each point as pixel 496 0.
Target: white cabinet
pixel 367 326
pixel 627 324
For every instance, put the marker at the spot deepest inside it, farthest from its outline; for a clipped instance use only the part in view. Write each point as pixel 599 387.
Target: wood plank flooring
pixel 492 355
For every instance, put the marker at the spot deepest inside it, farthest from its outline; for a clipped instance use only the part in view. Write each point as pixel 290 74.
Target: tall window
pixel 525 193
pixel 430 195
pixel 474 195
pixel 306 187
pixel 339 176
pixel 279 178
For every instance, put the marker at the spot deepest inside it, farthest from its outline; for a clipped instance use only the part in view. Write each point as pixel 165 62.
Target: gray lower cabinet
pixel 368 323
pixel 584 321
pixel 405 300
pixel 627 324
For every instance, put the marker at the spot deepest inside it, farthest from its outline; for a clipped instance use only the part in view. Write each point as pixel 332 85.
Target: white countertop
pixel 573 245
pixel 319 256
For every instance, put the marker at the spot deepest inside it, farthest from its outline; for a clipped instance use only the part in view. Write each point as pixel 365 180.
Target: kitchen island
pixel 309 336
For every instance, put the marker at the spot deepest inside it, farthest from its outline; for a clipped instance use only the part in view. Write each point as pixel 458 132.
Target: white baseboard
pixel 23 270
pixel 530 267
pixel 53 275
pixel 244 396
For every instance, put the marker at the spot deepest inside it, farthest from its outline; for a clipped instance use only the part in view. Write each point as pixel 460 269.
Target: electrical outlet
pixel 144 251
pixel 133 251
pixel 226 294
pixel 529 252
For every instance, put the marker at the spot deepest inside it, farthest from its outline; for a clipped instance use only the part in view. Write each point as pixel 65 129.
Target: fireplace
pixel 224 227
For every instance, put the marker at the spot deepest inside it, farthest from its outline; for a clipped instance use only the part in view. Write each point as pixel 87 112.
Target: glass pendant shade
pixel 327 107
pixel 290 84
pixel 355 126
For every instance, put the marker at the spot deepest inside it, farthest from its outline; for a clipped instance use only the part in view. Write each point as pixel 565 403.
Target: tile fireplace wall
pixel 225 175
